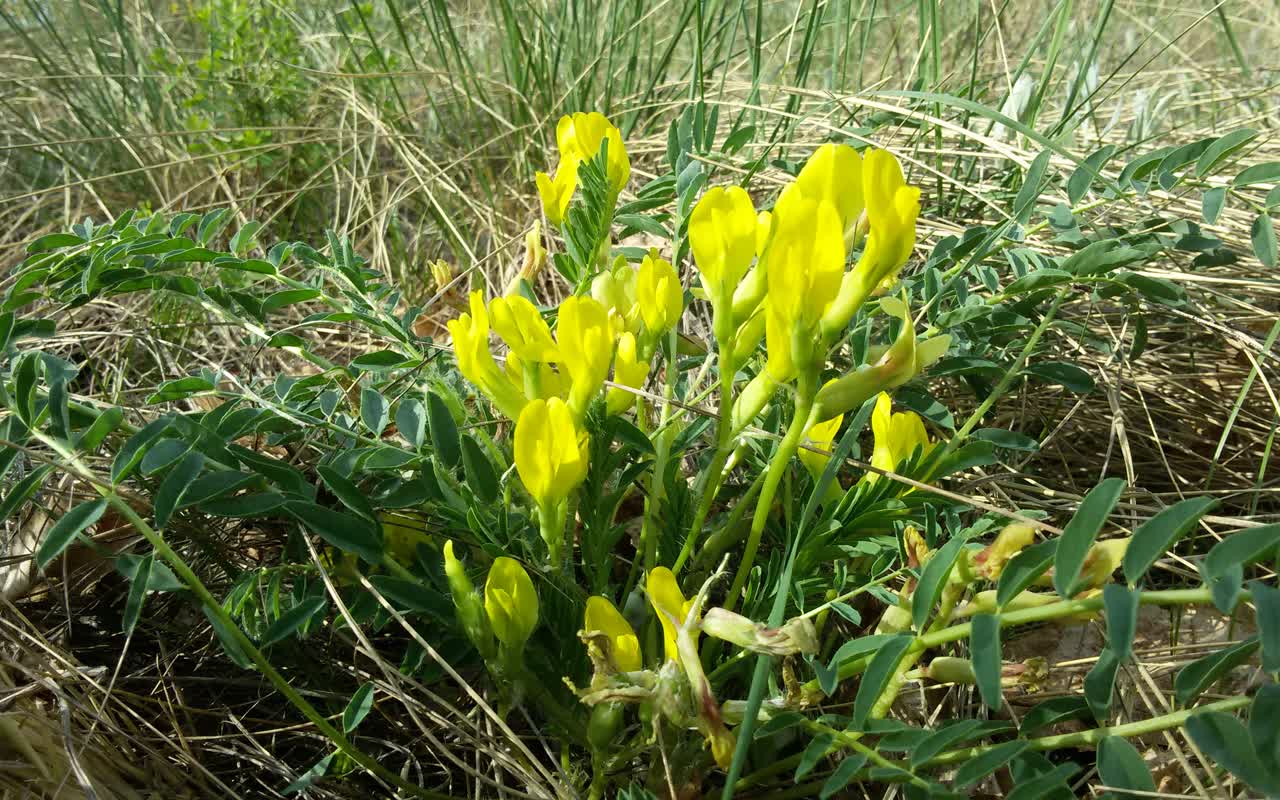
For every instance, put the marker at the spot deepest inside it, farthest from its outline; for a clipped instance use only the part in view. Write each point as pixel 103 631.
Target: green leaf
pixel 317 771
pixel 1225 741
pixel 348 533
pixel 245 237
pixel 1121 765
pixel 383 359
pixel 877 676
pixel 1025 202
pixel 843 774
pixel 984 646
pixel 1258 173
pixel 287 297
pixel 1043 278
pixel 1223 147
pixel 25 378
pixel 245 505
pixel 92 437
pixel 54 241
pixel 1100 683
pixel 1212 202
pixel 413 596
pixel 1121 604
pixel 162 454
pixel 132 451
pixel 1080 533
pixel 943 738
pixel 1202 673
pixel 1240 548
pixel 1024 569
pixel 1009 440
pixel 1069 376
pixel 1263 235
pixel 293 619
pixel 1086 173
pixel 161 578
pixel 987 762
pixel 22 491
pixel 230 644
pixel 1053 711
pixel 346 491
pixel 137 594
pixel 1266 599
pixel 411 421
pixel 1263 730
pixel 211 224
pixel 444 431
pixel 359 707
pixel 932 578
pixel 624 431
pixel 174 485
pixel 813 753
pixel 1042 785
pixel 68 526
pixel 481 476
pixel 1157 535
pixel 373 410
pixel 213 485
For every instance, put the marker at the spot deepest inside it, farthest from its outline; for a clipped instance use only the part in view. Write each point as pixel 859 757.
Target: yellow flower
pixel 470 334
pixel 821 435
pixel 535 255
pixel 585 337
pixel 658 294
pixel 511 602
pixel 522 327
pixel 833 174
pixel 616 290
pixel 628 370
pixel 441 274
pixel 805 263
pixel 579 136
pixel 624 645
pixel 722 235
pixel 555 193
pixel 896 436
pixel 669 603
pixel 551 451
pixel 892 208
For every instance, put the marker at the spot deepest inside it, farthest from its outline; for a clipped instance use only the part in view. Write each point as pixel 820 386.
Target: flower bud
pixel 659 296
pixel 752 400
pixel 511 602
pixel 795 636
pixel 467 604
pixel 1102 559
pixel 535 255
pixel 897 436
pixel 628 370
pixel 990 562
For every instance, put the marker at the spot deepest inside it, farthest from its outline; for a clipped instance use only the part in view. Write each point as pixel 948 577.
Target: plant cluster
pixel 662 587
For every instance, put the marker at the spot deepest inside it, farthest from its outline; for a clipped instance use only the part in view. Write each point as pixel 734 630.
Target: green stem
pixel 1009 376
pixel 1052 611
pixel 1143 727
pixel 723 328
pixel 800 422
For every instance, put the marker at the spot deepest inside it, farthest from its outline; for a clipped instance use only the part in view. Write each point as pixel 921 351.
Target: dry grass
pixel 161 715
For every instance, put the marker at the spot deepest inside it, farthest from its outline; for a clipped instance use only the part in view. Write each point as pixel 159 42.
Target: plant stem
pixel 1009 376
pixel 722 327
pixel 1062 608
pixel 800 422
